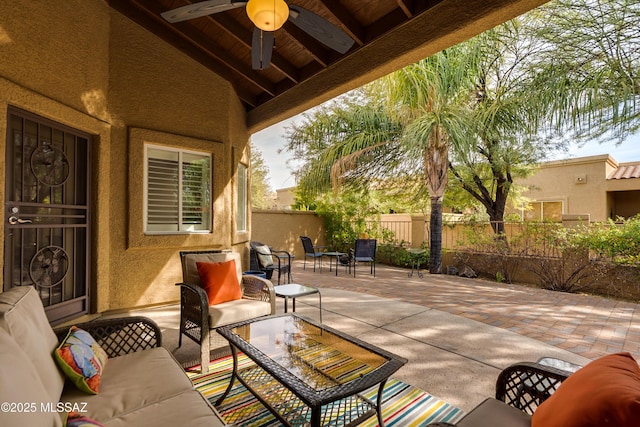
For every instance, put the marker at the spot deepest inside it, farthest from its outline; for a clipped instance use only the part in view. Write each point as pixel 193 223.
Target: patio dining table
pixel 334 255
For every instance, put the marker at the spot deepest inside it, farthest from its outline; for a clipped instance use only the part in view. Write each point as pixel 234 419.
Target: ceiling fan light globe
pixel 268 15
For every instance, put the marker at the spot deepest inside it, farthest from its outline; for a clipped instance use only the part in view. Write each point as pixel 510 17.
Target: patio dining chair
pixel 311 251
pixel 266 259
pixel 365 251
pixel 199 318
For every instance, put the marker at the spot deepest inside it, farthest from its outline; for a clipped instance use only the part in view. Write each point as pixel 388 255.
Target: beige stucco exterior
pixel 83 65
pixel 281 229
pixel 582 186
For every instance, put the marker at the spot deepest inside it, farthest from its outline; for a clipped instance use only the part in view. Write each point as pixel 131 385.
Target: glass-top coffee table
pixel 307 373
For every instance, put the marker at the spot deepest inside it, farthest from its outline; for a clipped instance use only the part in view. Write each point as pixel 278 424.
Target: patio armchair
pixel 198 319
pixel 604 392
pixel 311 251
pixel 264 258
pixel 520 389
pixel 365 251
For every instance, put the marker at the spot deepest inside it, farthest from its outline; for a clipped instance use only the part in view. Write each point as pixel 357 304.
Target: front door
pixel 47 213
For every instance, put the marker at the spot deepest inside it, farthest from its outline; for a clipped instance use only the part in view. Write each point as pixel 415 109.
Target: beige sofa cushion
pixel 132 381
pixel 188 409
pixel 22 315
pixel 190 270
pixel 20 385
pixel 237 311
pixel 495 413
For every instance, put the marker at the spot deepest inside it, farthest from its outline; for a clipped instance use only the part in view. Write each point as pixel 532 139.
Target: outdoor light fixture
pixel 268 15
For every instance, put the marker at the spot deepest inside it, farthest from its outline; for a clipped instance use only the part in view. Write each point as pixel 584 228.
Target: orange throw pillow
pixel 606 392
pixel 220 281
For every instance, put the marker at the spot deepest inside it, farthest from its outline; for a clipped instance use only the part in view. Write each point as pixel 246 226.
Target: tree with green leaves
pixel 506 117
pixel 261 193
pixel 590 66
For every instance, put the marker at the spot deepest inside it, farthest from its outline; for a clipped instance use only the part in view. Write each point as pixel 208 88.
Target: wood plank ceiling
pixel 222 41
pixel 387 34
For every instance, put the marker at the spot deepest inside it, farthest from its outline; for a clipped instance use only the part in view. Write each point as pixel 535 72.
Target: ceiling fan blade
pixel 197 10
pixel 261 49
pixel 320 29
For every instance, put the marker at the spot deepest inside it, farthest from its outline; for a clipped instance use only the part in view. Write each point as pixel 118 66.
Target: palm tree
pixel 431 99
pixel 406 123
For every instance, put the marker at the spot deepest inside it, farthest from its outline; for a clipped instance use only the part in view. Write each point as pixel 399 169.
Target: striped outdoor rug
pixel 403 405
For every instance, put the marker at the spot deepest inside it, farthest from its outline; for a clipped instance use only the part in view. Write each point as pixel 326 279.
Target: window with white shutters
pixel 178 191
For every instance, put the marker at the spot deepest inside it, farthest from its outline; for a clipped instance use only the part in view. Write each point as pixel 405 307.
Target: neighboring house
pixel 286 198
pixel 595 188
pixel 127 137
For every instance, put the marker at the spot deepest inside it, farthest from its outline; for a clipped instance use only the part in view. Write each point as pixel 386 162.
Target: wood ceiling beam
pixel 216 51
pixel 385 24
pixel 449 23
pixel 406 6
pixel 143 18
pixel 243 35
pixel 189 32
pixel 399 16
pixel 422 6
pixel 350 24
pixel 317 50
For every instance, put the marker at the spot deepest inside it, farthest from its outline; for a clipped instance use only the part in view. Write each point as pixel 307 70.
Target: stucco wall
pixel 82 64
pixel 282 229
pixel 580 184
pixel 159 95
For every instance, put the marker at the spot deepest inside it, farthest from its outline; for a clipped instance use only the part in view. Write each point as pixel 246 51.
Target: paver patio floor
pixel 587 325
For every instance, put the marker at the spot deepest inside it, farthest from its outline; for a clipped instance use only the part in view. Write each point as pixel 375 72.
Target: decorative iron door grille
pixel 47 216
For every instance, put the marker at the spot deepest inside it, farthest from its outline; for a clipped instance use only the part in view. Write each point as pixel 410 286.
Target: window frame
pixel 242 215
pixel 181 226
pixel 538 207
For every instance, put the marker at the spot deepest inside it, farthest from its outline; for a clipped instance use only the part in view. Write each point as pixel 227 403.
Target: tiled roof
pixel 624 172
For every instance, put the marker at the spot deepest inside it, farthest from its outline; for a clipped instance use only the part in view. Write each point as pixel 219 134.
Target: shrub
pixel 347 216
pixel 557 256
pixel 399 256
pixel 618 242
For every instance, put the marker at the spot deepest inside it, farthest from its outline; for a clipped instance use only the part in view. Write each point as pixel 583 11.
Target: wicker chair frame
pixel 282 262
pixel 525 386
pixel 194 311
pixel 119 336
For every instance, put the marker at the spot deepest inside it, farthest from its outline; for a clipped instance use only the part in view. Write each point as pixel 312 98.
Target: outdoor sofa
pixel 141 383
pixel 606 392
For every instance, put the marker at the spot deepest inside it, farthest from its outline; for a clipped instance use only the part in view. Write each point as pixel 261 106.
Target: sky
pixel 271 139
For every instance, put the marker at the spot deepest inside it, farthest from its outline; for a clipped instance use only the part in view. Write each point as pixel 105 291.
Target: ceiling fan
pixel 268 16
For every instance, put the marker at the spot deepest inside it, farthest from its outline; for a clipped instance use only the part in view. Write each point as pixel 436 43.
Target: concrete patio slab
pixel 477 341
pixel 456 333
pixel 458 380
pixel 453 358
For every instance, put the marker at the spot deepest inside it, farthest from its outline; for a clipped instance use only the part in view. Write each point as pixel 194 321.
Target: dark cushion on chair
pixel 494 413
pixel 606 392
